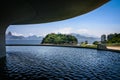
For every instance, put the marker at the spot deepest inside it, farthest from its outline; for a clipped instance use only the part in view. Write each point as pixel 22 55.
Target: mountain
pixel 33 37
pixel 82 38
pixel 10 36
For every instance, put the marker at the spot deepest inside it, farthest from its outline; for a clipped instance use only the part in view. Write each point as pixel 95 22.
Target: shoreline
pixel 109 48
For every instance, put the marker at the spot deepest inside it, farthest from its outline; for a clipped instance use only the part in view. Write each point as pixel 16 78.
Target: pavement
pixel 114 47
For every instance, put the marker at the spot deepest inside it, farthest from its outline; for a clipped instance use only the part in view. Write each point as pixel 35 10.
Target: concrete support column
pixel 2 40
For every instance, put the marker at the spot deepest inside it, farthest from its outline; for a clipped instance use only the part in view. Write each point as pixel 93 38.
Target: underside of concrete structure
pixel 40 11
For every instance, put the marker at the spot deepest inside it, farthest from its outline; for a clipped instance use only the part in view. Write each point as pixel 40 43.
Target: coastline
pixel 109 48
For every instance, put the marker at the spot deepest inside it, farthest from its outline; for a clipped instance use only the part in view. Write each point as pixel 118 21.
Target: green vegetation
pixel 84 44
pixel 113 38
pixel 91 46
pixel 96 42
pixel 113 44
pixel 61 39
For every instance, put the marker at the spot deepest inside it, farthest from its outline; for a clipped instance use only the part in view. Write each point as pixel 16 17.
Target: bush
pixel 95 42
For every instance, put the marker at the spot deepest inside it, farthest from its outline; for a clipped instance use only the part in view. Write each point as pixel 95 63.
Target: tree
pixel 95 42
pixel 59 39
pixel 86 42
pixel 113 38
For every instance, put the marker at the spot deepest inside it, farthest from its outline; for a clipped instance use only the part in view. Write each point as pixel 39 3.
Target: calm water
pixel 59 63
pixel 23 41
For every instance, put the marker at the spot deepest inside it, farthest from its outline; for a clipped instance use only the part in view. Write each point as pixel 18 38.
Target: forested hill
pixel 62 39
pixel 113 38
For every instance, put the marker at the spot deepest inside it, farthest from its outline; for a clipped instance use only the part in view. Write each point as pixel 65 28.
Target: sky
pixel 103 20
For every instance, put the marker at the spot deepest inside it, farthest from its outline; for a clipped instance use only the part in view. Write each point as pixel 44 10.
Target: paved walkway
pixel 114 47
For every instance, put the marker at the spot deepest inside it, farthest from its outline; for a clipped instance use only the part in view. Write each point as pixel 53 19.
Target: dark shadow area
pixel 3 68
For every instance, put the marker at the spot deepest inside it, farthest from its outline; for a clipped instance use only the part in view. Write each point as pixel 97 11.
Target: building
pixel 103 38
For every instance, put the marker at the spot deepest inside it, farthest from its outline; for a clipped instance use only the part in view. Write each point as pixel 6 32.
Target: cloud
pixel 66 30
pixel 16 34
pixel 30 34
pixel 69 30
pixel 88 33
pixel 82 31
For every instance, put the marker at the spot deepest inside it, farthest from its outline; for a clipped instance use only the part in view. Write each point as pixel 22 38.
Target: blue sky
pixel 103 20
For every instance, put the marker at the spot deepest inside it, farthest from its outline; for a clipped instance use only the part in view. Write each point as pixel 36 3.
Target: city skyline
pixel 103 20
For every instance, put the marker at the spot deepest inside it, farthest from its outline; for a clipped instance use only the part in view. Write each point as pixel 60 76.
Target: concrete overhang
pixel 18 12
pixel 42 11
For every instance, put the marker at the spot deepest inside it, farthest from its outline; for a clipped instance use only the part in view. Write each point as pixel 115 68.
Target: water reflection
pixel 44 63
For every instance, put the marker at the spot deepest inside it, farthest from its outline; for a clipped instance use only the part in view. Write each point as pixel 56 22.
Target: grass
pixel 88 46
pixel 113 44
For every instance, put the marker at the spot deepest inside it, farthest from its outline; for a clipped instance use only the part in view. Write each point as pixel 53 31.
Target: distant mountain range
pixel 80 38
pixel 10 36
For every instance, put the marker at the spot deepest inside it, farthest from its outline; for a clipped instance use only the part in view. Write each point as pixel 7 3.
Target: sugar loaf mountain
pixel 60 39
pixel 11 36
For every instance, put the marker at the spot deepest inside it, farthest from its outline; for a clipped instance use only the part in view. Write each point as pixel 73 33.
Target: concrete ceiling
pixel 42 11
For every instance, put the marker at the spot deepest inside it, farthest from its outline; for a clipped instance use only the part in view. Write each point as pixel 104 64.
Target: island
pixel 59 39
